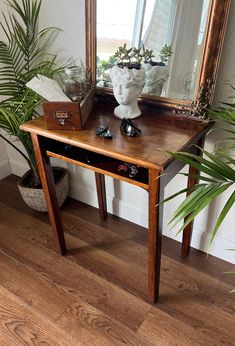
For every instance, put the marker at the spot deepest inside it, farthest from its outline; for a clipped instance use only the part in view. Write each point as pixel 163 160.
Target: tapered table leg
pixel 187 233
pixel 101 194
pixel 154 234
pixel 47 180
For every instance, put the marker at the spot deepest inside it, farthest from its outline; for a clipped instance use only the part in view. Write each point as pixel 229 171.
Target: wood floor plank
pixel 104 239
pixel 192 284
pixel 23 327
pixel 163 330
pixel 79 319
pixel 89 324
pixel 109 232
pixel 109 267
pixel 5 341
pixel 72 207
pixel 203 316
pixel 192 310
pixel 188 279
pixel 106 260
pixel 70 277
pixel 112 222
pixel 167 326
pixel 92 258
pixel 39 294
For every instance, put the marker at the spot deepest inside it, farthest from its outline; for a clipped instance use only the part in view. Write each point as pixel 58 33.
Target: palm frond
pixel 23 54
pixel 225 114
pixel 199 202
pixel 206 166
pixel 230 202
pixel 220 176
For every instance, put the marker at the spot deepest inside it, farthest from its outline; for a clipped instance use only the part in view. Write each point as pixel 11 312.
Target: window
pixel 135 22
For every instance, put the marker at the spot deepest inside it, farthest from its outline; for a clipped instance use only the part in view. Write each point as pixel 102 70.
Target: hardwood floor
pixel 97 293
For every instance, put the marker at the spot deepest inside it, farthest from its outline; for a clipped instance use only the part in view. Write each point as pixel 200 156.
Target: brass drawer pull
pixel 62 116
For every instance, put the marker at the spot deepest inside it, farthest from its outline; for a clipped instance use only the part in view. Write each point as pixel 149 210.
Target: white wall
pixel 4 161
pixel 124 200
pixel 68 15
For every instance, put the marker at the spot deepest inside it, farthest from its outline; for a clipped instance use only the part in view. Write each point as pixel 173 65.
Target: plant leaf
pixel 223 214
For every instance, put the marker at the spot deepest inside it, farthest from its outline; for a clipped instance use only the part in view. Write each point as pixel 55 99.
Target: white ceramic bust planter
pixel 127 86
pixel 156 76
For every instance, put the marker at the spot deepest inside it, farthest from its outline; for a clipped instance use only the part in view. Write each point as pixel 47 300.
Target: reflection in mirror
pixel 177 25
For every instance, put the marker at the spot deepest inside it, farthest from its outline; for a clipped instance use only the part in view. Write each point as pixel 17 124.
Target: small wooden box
pixel 68 115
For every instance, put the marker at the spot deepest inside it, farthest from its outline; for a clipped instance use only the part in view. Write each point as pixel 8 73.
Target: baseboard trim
pixel 201 241
pixel 18 169
pixel 5 169
pixel 114 206
pixel 219 248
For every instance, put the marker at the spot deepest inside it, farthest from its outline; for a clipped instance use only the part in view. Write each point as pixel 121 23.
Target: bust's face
pixel 124 93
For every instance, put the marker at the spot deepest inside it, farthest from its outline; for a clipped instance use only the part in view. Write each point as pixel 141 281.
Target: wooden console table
pixel 160 132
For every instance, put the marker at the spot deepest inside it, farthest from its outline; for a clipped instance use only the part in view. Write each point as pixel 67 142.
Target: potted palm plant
pixel 22 56
pixel 218 175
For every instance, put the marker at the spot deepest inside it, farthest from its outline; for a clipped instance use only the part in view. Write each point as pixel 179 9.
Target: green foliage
pixel 137 55
pixel 147 54
pixel 218 175
pixel 165 53
pixel 123 55
pixel 111 60
pixel 104 64
pixel 128 57
pixel 22 56
pixel 134 56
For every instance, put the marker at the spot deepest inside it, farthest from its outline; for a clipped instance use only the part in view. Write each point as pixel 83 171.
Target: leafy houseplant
pixel 165 53
pixel 130 58
pixel 218 168
pixel 22 56
pixel 219 176
pixel 103 67
pixel 147 55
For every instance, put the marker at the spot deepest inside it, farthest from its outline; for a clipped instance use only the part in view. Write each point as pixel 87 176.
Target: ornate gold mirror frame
pixel 215 33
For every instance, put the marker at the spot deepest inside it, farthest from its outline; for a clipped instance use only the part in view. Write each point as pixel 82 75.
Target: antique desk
pixel 160 132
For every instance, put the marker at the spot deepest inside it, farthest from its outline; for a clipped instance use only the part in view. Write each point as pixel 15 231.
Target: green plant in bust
pixel 22 56
pixel 147 55
pixel 165 53
pixel 130 58
pixel 137 56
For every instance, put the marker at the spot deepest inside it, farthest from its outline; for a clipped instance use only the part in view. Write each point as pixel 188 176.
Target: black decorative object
pixel 129 128
pixel 129 169
pixel 101 129
pixel 133 171
pixel 107 135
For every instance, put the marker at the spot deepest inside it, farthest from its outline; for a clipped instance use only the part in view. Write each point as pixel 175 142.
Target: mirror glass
pixel 174 30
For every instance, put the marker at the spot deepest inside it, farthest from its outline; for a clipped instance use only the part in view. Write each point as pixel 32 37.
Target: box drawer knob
pixel 62 116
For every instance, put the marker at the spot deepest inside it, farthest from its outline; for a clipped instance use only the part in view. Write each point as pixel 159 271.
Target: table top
pixel 160 132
